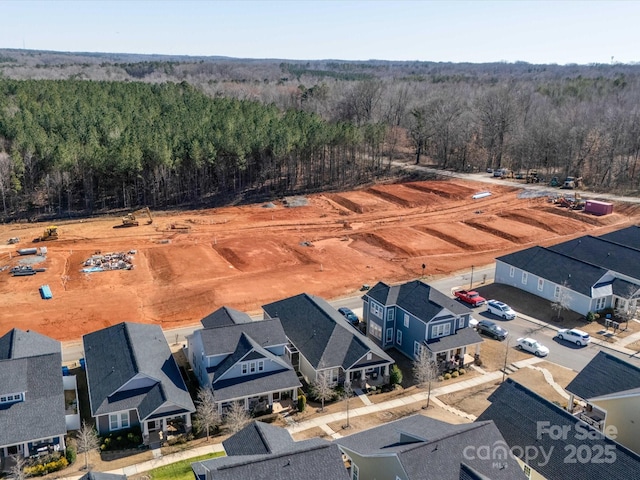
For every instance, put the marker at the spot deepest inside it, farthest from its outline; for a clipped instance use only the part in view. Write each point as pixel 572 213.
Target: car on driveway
pixel 351 317
pixel 532 346
pixel 574 335
pixel 491 329
pixel 501 309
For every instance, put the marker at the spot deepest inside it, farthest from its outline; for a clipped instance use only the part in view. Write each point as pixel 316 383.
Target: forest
pixel 86 133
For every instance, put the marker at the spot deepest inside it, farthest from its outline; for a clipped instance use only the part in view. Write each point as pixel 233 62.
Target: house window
pixel 441 330
pixel 389 337
pixel 245 368
pixel 600 303
pixel 512 271
pixel 260 365
pixel 118 421
pixel 375 330
pixel 355 471
pixel 525 277
pixel 376 310
pixel 417 349
pixel 527 470
pixel 252 367
pixel 461 322
pixel 540 284
pixel 406 320
pixel 390 315
pixel 16 397
pixel 399 337
pixel 556 293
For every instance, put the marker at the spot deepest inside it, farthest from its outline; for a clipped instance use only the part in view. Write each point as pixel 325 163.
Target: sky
pixel 560 32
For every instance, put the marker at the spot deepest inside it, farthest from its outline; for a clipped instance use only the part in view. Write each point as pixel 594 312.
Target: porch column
pixel 478 349
pixel 25 449
pixel 61 442
pixel 246 404
pixel 271 399
pixel 164 425
pixel 187 421
pixel 386 370
pixel 570 405
pixel 145 429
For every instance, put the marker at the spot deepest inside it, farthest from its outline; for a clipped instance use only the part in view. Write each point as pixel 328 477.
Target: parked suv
pixel 501 309
pixel 351 317
pixel 574 335
pixel 491 329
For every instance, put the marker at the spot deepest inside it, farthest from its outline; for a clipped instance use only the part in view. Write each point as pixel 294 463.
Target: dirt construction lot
pixel 245 257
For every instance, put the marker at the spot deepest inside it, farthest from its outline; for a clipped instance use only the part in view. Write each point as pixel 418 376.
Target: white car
pixel 574 335
pixel 501 309
pixel 532 346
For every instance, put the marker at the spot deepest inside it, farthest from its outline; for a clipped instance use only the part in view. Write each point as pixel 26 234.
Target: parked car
pixel 501 309
pixel 491 329
pixel 574 335
pixel 532 346
pixel 351 317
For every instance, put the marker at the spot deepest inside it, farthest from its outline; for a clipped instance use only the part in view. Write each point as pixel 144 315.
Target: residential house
pixel 262 451
pixel 32 406
pixel 586 274
pixel 321 341
pixel 242 360
pixel 413 316
pixel 102 476
pixel 551 443
pixel 133 380
pixel 422 448
pixel 609 390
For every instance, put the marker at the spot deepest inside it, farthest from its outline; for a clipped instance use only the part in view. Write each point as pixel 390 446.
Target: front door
pixel 154 425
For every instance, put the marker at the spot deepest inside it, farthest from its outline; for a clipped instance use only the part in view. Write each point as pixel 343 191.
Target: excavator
pixel 130 219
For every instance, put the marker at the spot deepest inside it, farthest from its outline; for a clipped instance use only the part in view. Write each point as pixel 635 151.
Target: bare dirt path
pixel 245 257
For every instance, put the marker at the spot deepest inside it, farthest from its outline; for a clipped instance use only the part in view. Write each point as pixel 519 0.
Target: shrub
pixel 302 403
pixel 462 371
pixel 591 316
pixel 447 376
pixel 454 374
pixel 440 378
pixel 71 454
pixel 395 377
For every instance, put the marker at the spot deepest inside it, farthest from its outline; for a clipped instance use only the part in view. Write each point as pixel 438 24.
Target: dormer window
pixel 252 367
pixel 13 398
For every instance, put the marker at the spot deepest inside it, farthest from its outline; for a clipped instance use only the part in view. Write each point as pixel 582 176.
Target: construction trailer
pixel 596 207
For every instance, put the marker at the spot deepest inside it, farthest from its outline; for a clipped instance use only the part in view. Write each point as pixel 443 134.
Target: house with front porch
pixel 133 380
pixel 32 401
pixel 242 360
pixel 322 342
pixel 586 274
pixel 415 316
pixel 606 395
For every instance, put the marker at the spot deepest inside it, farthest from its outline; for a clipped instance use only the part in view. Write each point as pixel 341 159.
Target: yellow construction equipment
pixel 50 233
pixel 130 219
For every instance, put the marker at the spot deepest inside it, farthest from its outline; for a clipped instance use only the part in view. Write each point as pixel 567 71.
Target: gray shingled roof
pixel 223 317
pixel 224 339
pixel 259 384
pixel 602 253
pixel 115 355
pixel 431 449
pixel 517 412
pixel 258 438
pixel 31 363
pixel 314 459
pixel 416 297
pixel 603 375
pixel 629 237
pixel 102 476
pixel 463 337
pixel 321 333
pixel 556 267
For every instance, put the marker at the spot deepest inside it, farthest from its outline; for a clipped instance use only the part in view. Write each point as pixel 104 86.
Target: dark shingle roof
pixel 603 375
pixel 417 298
pixel 102 476
pixel 431 449
pixel 314 459
pixel 602 253
pixel 32 364
pixel 223 317
pixel 115 355
pixel 224 339
pixel 517 412
pixel 555 267
pixel 629 237
pixel 321 333
pixel 254 385
pixel 463 337
pixel 258 438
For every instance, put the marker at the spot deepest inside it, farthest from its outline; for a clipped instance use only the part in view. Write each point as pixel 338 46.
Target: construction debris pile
pixel 99 262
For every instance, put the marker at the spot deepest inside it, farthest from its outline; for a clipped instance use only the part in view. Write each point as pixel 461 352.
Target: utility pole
pixel 471 282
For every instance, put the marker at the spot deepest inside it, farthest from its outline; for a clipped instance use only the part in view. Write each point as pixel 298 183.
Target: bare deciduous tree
pixel 17 469
pixel 207 415
pixel 347 393
pixel 425 370
pixel 322 388
pixel 562 301
pixel 87 440
pixel 236 417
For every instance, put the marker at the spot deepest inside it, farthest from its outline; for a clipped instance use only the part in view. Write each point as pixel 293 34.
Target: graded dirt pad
pixel 245 257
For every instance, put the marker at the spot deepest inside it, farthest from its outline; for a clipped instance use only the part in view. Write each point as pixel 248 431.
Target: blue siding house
pixel 413 316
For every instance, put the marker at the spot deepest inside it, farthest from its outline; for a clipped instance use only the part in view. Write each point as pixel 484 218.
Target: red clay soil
pixel 246 257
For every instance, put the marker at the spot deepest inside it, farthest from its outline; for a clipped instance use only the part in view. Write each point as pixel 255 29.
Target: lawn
pixel 179 470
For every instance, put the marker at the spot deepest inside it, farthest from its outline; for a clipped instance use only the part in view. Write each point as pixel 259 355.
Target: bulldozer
pixel 50 233
pixel 130 219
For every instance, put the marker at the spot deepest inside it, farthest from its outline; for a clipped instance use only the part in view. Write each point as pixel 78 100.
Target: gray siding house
pixel 133 380
pixel 587 274
pixel 322 341
pixel 32 406
pixel 414 316
pixel 242 360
